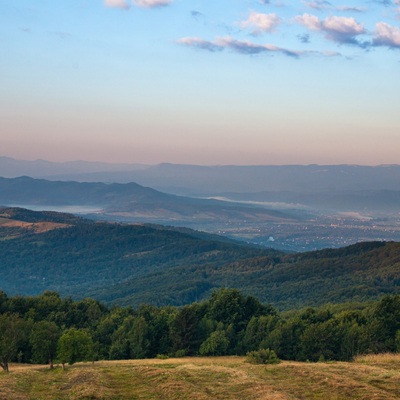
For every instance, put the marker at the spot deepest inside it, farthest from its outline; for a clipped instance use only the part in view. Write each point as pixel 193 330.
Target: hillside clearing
pixel 206 378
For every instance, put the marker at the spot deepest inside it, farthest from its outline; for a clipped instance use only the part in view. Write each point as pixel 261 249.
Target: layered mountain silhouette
pixel 129 201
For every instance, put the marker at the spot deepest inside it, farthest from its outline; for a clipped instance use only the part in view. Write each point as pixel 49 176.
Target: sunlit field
pixel 368 377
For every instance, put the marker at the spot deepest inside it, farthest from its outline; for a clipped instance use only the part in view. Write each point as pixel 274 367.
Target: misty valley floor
pixel 329 231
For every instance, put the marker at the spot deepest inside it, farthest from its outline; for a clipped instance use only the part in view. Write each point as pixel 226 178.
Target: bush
pixel 162 357
pixel 180 353
pixel 263 356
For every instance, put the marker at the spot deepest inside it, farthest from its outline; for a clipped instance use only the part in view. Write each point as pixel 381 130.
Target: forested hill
pixel 361 272
pixel 133 264
pixel 47 250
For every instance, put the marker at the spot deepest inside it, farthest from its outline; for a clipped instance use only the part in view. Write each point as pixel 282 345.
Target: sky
pixel 201 82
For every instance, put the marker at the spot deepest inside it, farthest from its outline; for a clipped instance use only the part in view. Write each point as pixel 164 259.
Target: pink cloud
pixel 343 25
pixel 117 4
pixel 310 21
pixel 261 22
pixel 337 29
pixel 387 35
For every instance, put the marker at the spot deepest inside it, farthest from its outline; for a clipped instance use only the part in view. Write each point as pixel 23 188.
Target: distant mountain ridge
pixel 288 207
pixel 127 201
pixel 12 168
pixel 202 180
pixel 134 264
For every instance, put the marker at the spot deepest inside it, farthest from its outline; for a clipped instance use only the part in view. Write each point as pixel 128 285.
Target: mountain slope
pixel 128 201
pixel 360 272
pixel 80 255
pixel 132 264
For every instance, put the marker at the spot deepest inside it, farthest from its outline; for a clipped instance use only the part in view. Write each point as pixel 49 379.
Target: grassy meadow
pixel 368 377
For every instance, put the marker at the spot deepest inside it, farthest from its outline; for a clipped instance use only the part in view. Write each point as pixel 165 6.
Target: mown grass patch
pixel 204 378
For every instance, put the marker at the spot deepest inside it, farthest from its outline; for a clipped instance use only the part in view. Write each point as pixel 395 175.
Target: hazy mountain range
pixel 129 201
pixel 214 179
pixel 290 207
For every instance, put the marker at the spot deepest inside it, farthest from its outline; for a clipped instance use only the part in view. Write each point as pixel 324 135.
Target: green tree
pixel 44 338
pixel 139 338
pixel 216 344
pixel 104 334
pixel 397 341
pixel 321 339
pixel 387 322
pixel 186 329
pixel 227 306
pixel 258 330
pixel 74 345
pixel 285 339
pixel 12 333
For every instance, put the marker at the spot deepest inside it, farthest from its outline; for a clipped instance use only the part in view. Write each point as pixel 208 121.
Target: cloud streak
pixel 318 4
pixel 151 3
pixel 246 47
pixel 125 5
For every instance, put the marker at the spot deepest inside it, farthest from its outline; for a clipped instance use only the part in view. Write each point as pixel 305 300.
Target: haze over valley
pixel 293 208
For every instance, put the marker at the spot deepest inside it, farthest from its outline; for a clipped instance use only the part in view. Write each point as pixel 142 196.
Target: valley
pixel 314 233
pixel 283 220
pixel 131 264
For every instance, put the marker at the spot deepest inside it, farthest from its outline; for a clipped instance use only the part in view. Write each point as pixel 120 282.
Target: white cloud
pixel 310 21
pixel 337 29
pixel 151 3
pixel 343 25
pixel 387 35
pixel 117 4
pixel 261 22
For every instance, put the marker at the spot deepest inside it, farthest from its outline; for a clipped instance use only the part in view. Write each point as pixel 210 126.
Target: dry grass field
pixel 369 377
pixel 37 227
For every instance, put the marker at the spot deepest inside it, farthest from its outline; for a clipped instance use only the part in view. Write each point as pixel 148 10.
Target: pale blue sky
pixel 203 82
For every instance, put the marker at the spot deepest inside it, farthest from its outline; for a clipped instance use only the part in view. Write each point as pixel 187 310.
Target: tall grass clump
pixel 382 358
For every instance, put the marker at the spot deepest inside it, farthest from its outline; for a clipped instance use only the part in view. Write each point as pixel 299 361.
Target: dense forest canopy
pixel 48 329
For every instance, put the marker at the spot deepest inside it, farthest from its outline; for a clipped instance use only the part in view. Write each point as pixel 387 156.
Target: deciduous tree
pixel 12 332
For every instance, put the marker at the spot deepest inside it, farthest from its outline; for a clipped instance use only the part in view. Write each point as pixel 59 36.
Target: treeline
pixel 46 328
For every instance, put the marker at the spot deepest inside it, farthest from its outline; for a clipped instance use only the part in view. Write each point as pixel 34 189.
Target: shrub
pixel 180 353
pixel 263 356
pixel 162 356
